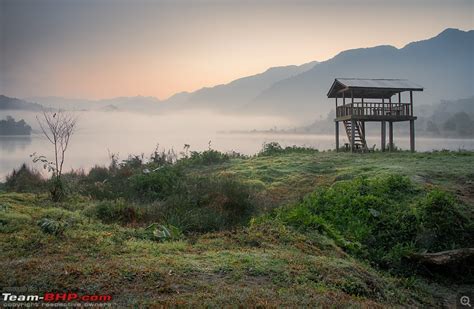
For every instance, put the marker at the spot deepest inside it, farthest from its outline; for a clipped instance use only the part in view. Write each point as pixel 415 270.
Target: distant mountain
pixel 7 103
pixel 109 108
pixel 234 95
pixel 444 65
pixel 136 104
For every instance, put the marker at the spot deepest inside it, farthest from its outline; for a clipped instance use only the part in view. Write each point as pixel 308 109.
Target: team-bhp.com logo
pixel 55 297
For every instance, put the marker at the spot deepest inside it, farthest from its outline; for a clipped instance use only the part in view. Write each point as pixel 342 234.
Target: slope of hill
pixel 136 103
pixel 444 65
pixel 7 103
pixel 287 228
pixel 234 95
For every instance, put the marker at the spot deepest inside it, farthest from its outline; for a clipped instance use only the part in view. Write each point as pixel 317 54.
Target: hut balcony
pixel 375 111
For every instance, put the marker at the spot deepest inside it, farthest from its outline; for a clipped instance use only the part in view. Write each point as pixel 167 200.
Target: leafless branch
pixel 58 127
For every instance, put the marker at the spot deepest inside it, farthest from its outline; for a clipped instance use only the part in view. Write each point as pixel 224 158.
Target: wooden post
pixel 390 105
pixel 383 106
pixel 362 127
pixel 390 135
pixel 352 135
pixel 337 136
pixel 352 102
pixel 336 107
pixel 362 105
pixel 411 103
pixel 412 135
pixel 400 109
pixel 383 135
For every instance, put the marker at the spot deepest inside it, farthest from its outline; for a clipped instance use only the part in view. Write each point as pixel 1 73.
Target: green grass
pixel 267 262
pixel 261 264
pixel 292 175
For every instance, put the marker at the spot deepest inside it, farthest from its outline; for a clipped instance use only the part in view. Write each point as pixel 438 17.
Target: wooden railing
pixel 374 109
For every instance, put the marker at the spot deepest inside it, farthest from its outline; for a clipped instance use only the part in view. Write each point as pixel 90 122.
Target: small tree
pixel 58 127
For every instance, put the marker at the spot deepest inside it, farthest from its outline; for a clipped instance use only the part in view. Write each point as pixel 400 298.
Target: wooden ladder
pixel 360 143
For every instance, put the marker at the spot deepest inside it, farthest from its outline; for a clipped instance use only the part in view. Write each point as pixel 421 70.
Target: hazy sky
pixel 99 49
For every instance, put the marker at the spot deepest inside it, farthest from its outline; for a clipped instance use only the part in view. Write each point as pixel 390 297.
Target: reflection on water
pixel 11 144
pixel 100 134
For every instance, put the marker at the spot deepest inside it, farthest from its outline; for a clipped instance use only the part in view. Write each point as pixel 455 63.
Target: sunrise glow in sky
pixel 110 48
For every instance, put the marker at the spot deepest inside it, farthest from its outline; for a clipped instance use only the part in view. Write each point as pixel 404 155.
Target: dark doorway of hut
pixel 372 100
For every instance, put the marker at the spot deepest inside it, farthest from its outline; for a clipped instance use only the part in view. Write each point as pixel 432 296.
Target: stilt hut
pixel 359 100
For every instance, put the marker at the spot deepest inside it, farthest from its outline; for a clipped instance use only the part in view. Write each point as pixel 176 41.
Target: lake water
pixel 100 134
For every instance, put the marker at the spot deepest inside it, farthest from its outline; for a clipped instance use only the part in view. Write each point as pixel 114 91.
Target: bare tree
pixel 58 127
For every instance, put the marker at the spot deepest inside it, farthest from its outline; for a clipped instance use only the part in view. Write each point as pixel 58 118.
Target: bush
pixel 271 148
pixel 201 204
pixel 165 233
pixel 445 223
pixel 274 148
pixel 208 157
pixel 51 226
pixel 383 219
pixel 210 204
pixel 156 185
pixel 117 211
pixel 25 179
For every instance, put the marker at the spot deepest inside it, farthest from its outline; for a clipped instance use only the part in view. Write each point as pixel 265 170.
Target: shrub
pixel 51 226
pixel 11 221
pixel 383 219
pixel 98 174
pixel 210 204
pixel 208 157
pixel 165 233
pixel 444 223
pixel 157 184
pixel 271 148
pixel 117 211
pixel 274 148
pixel 25 179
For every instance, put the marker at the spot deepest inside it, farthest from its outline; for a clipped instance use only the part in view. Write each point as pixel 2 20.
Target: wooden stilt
pixel 337 136
pixel 390 135
pixel 383 136
pixel 353 135
pixel 412 135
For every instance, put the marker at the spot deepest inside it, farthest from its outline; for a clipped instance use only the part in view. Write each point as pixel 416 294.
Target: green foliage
pixel 51 226
pixel 115 211
pixel 383 219
pixel 270 148
pixel 274 148
pixel 210 203
pixel 445 223
pixel 156 184
pixel 25 179
pixel 57 189
pixel 208 157
pixel 202 204
pixel 11 222
pixel 139 180
pixel 301 218
pixel 165 233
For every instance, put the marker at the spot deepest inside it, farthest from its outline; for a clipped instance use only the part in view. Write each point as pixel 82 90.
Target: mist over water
pixel 100 134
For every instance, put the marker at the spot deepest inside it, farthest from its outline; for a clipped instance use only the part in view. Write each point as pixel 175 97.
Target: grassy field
pixel 268 260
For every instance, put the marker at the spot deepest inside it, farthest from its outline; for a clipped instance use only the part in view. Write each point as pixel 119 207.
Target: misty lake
pixel 100 134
